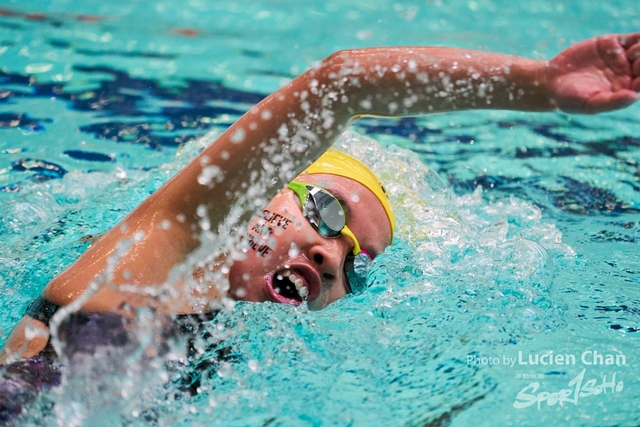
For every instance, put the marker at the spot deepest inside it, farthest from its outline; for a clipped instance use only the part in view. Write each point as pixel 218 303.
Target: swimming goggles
pixel 326 215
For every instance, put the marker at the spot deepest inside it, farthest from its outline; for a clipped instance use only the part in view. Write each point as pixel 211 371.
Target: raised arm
pixel 293 126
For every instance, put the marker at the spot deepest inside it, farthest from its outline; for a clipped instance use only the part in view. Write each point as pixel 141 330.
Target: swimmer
pixel 322 221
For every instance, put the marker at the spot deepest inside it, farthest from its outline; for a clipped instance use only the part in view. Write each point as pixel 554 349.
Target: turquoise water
pixel 518 233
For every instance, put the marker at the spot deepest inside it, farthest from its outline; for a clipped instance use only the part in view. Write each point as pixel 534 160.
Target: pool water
pixel 517 233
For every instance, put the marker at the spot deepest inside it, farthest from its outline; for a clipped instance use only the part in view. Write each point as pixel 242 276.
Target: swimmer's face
pixel 283 246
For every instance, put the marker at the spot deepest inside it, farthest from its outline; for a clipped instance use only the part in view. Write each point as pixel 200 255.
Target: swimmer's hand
pixel 596 75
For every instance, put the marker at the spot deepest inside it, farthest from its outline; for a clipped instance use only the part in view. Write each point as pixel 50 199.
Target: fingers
pixel 633 52
pixel 613 55
pixel 634 56
pixel 608 101
pixel 628 40
pixel 631 43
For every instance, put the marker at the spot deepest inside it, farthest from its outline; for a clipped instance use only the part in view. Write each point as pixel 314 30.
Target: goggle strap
pixel 346 232
pixel 301 191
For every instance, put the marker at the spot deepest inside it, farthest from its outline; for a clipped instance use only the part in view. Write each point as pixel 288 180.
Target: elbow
pixel 340 79
pixel 342 64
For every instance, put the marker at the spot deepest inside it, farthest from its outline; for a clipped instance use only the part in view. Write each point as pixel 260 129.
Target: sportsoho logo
pixel 577 388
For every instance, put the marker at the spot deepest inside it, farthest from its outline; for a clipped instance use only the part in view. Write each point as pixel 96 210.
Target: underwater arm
pixel 283 134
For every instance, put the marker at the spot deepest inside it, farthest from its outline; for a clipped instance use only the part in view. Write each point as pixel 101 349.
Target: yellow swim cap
pixel 336 162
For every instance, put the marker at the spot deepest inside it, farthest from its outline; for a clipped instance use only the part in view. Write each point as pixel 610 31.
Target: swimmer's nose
pixel 328 257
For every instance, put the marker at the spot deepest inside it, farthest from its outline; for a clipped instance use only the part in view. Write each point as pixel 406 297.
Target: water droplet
pixel 293 250
pixel 228 304
pixel 205 224
pixel 210 174
pixel 366 104
pixel 238 136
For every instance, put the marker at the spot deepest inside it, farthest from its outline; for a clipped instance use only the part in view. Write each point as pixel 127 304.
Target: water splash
pixel 465 276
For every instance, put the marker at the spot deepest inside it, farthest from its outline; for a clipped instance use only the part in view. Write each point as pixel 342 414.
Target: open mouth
pixel 289 287
pixel 294 284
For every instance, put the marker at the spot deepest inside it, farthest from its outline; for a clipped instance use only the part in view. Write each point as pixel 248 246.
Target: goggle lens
pixel 357 269
pixel 329 209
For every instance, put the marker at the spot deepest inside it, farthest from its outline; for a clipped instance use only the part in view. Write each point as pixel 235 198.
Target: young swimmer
pixel 322 223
